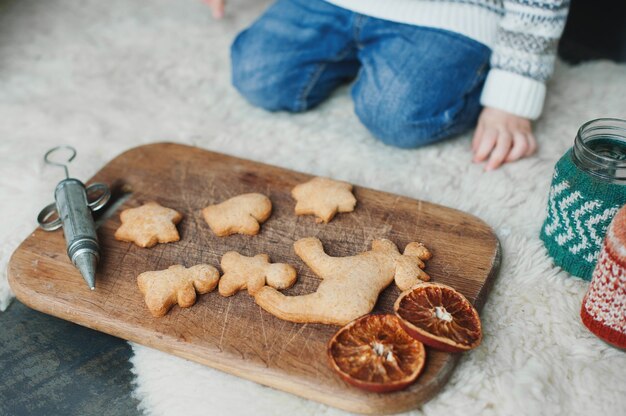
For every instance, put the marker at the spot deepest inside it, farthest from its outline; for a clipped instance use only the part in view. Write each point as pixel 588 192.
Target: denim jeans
pixel 414 85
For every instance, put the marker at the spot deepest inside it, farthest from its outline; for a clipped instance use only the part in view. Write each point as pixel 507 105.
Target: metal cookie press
pixel 72 210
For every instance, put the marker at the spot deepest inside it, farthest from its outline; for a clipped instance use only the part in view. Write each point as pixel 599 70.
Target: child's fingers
pixel 519 148
pixel 500 151
pixel 217 8
pixel 485 145
pixel 478 134
pixel 532 144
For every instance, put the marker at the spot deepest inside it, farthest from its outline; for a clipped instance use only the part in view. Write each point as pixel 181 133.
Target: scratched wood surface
pixel 233 334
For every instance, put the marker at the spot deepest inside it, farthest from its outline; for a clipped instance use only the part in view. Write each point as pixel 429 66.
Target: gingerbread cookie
pixel 148 225
pixel 323 198
pixel 241 214
pixel 165 288
pixel 350 285
pixel 241 272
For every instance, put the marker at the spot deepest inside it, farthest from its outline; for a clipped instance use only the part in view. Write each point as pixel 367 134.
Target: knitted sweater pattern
pixel 523 36
pixel 580 209
pixel 604 307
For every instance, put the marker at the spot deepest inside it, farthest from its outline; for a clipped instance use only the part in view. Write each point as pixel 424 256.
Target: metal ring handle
pixel 46 157
pixel 102 199
pixel 44 216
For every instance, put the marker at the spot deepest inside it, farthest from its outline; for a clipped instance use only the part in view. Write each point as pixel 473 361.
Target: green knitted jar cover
pixel 580 208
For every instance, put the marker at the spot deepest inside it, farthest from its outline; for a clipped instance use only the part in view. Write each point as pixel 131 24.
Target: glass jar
pixel 588 188
pixel 600 149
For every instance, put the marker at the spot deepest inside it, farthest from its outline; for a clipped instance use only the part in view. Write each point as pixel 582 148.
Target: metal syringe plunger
pixel 74 214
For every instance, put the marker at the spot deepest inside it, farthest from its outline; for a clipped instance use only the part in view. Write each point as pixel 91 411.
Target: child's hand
pixel 502 137
pixel 217 7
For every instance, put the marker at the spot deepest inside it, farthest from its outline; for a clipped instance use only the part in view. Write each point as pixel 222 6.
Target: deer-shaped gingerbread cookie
pixel 350 285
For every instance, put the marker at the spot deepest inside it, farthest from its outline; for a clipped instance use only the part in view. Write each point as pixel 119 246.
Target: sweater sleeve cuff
pixel 513 93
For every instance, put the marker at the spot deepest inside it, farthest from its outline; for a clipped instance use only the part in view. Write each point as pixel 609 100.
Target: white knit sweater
pixel 522 34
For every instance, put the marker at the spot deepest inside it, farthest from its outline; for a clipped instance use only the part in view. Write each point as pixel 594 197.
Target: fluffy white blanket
pixel 107 76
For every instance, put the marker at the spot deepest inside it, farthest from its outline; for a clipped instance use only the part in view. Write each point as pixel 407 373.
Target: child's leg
pixel 417 85
pixel 294 55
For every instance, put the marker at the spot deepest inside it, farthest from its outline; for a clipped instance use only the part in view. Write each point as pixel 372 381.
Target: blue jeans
pixel 414 85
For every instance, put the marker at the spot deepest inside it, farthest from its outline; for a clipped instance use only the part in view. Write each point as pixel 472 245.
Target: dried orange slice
pixel 375 354
pixel 440 317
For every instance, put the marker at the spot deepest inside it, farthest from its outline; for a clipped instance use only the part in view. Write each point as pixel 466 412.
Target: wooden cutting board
pixel 233 334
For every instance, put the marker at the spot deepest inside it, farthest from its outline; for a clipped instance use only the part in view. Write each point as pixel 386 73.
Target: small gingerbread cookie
pixel 165 288
pixel 148 225
pixel 323 198
pixel 241 272
pixel 242 214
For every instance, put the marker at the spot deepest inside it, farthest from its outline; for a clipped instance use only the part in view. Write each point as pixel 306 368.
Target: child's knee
pixel 392 125
pixel 403 125
pixel 255 79
pixel 247 74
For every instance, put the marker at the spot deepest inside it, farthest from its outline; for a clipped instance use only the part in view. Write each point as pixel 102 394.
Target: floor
pixel 108 76
pixel 67 369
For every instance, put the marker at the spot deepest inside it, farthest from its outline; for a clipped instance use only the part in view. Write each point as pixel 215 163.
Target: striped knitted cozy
pixel 523 35
pixel 580 208
pixel 604 307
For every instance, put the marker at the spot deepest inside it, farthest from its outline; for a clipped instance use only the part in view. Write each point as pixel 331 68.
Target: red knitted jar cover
pixel 604 306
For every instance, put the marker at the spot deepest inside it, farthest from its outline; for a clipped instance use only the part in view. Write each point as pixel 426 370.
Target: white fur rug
pixel 107 76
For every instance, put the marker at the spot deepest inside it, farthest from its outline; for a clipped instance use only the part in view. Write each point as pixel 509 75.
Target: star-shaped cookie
pixel 241 272
pixel 148 225
pixel 242 214
pixel 165 288
pixel 323 198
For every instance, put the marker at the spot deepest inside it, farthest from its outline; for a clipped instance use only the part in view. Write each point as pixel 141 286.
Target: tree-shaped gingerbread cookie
pixel 323 198
pixel 148 225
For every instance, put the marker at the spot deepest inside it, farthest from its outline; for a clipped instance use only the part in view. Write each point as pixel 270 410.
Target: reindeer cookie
pixel 242 214
pixel 165 288
pixel 241 272
pixel 148 225
pixel 350 285
pixel 323 198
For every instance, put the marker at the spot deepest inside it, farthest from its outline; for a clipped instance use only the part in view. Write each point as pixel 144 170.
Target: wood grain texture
pixel 233 334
